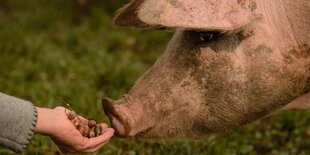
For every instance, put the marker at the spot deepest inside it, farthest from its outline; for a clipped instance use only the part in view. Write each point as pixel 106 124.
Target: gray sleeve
pixel 18 119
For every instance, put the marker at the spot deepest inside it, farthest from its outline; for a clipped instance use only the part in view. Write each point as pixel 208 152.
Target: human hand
pixel 55 123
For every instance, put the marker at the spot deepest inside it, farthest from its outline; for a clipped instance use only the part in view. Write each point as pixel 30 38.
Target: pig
pixel 228 63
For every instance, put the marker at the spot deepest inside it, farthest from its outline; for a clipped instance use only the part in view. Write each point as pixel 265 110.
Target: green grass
pixel 48 49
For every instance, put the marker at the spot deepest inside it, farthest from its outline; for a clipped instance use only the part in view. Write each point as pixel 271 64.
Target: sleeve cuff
pixel 31 129
pixel 17 123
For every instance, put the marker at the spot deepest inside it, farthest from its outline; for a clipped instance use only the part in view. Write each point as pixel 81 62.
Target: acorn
pixel 91 134
pixel 81 129
pixel 91 123
pixel 71 115
pixel 98 130
pixel 86 122
pixel 76 123
pixel 86 131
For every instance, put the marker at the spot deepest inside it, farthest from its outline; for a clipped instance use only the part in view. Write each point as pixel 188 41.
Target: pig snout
pixel 118 115
pixel 128 118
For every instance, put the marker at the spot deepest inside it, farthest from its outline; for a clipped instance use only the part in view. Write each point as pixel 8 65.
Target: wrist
pixel 45 121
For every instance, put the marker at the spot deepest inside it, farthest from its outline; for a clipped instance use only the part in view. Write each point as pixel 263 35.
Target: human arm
pixel 19 119
pixel 55 123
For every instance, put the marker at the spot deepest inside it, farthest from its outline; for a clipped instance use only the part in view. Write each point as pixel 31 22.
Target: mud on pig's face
pixel 211 77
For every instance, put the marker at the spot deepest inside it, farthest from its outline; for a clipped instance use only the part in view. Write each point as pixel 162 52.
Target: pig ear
pixel 128 15
pixel 188 14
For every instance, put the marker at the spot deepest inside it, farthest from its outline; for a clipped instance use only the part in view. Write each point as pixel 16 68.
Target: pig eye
pixel 205 36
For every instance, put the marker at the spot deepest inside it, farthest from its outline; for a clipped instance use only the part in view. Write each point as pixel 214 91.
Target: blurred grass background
pixel 52 48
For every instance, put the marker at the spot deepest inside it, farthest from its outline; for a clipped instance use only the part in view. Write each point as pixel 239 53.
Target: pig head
pixel 228 63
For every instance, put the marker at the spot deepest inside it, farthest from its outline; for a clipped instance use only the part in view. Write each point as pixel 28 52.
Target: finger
pixel 101 144
pixel 103 125
pixel 82 118
pixel 107 133
pixel 92 142
pixel 96 148
pixel 105 130
pixel 62 110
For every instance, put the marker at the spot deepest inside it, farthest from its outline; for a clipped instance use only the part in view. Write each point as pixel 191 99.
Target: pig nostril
pixel 107 105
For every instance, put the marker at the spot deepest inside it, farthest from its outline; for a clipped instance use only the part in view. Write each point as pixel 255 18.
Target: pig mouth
pixel 142 133
pixel 118 122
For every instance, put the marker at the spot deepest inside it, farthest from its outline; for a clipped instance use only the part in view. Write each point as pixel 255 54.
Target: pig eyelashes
pixel 208 36
pixel 205 36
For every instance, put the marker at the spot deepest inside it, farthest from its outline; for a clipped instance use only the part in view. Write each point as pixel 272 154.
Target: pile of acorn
pixel 87 128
